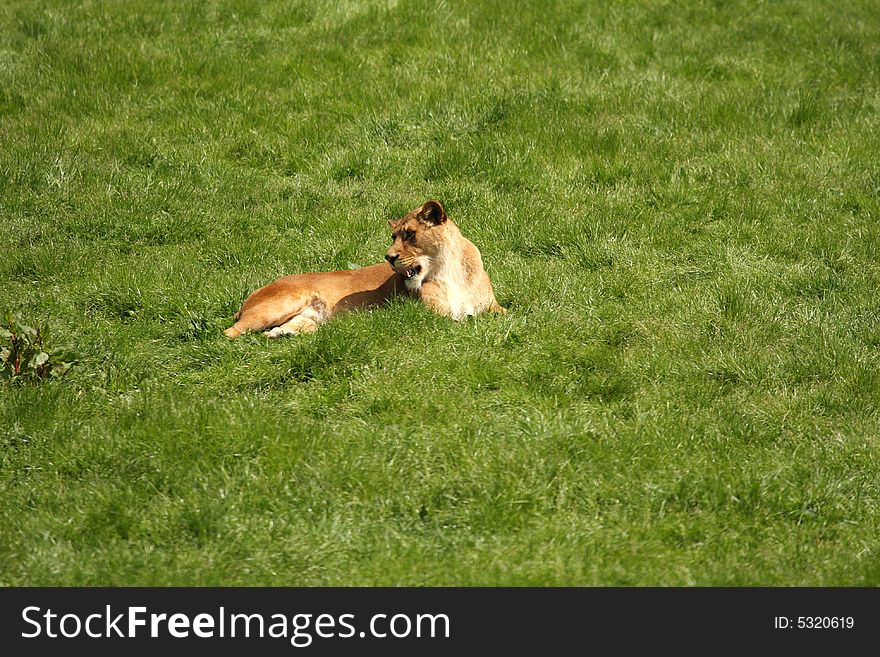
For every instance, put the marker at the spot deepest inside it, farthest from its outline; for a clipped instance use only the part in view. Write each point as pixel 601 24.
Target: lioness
pixel 429 258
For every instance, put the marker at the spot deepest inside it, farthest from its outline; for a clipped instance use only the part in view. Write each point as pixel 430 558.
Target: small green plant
pixel 25 356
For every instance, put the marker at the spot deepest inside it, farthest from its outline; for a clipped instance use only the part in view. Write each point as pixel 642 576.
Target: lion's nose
pixel 391 258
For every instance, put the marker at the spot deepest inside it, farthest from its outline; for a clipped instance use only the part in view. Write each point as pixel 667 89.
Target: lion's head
pixel 419 242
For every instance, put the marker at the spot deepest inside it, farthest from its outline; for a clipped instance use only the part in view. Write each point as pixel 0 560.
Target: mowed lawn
pixel 676 201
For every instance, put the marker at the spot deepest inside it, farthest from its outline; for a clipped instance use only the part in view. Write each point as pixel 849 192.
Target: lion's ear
pixel 432 212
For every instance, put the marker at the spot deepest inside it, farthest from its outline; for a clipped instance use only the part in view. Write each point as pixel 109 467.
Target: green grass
pixel 677 201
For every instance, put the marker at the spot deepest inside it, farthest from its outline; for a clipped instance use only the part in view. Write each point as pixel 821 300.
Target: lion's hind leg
pixel 306 321
pixel 265 312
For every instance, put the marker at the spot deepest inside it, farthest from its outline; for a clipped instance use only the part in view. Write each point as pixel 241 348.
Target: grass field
pixel 677 202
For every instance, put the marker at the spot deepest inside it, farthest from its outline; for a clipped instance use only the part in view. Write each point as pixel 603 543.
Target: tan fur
pixel 300 303
pixel 439 265
pixel 450 280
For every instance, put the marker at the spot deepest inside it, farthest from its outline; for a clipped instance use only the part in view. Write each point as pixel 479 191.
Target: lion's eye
pixel 392 237
pixel 408 235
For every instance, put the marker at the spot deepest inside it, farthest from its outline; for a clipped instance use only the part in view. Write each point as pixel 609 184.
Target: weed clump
pixel 25 355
